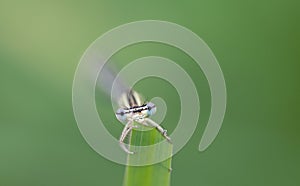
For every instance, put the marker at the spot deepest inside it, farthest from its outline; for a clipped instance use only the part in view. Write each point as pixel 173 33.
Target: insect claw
pixel 166 136
pixel 168 139
pixel 125 149
pixel 168 168
pixel 130 152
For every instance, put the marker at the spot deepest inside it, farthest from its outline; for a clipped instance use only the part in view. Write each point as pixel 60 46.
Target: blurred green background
pixel 255 42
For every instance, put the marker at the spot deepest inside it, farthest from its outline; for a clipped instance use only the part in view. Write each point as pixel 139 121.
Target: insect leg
pixel 128 127
pixel 159 128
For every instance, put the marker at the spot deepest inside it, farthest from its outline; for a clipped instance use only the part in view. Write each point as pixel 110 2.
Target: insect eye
pixel 151 108
pixel 121 115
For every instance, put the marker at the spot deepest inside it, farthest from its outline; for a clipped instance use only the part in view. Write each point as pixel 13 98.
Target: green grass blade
pixel 151 175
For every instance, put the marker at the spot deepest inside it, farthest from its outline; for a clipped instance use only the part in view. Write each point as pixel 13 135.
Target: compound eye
pixel 151 108
pixel 120 114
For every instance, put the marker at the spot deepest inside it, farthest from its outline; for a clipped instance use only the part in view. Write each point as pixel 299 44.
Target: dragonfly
pixel 133 109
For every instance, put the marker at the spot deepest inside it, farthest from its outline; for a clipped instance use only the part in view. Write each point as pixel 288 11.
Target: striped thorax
pixel 133 107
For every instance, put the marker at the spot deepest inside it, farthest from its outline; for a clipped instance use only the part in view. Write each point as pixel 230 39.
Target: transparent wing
pixel 123 96
pixel 107 77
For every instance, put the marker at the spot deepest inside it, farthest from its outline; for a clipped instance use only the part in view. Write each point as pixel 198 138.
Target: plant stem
pixel 151 175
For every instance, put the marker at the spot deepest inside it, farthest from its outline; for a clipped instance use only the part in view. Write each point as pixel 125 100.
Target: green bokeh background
pixel 255 42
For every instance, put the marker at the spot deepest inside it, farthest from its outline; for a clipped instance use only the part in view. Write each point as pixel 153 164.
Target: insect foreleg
pixel 159 128
pixel 128 127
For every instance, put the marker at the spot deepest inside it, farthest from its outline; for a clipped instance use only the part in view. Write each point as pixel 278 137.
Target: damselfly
pixel 134 109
